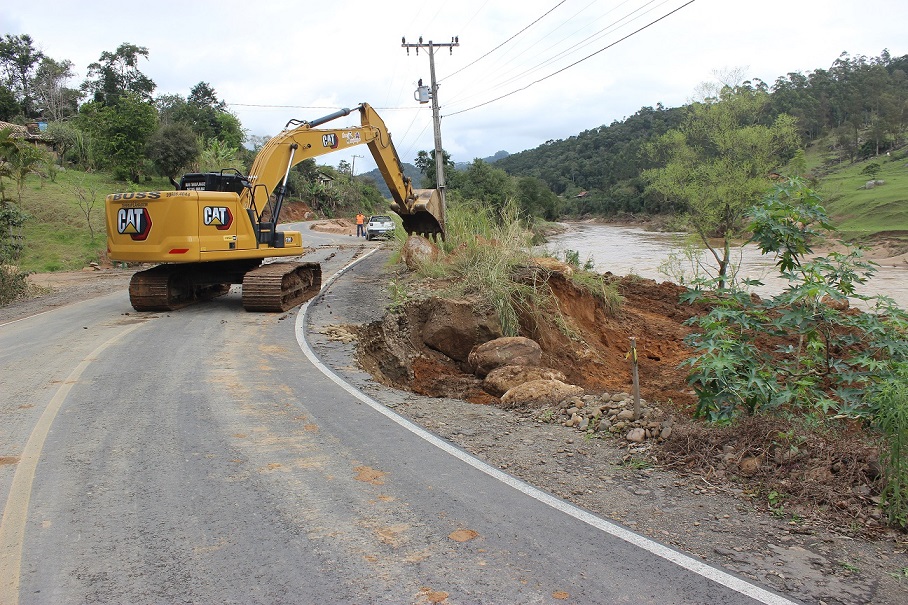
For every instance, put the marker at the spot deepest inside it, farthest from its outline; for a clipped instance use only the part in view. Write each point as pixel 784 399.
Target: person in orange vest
pixel 360 225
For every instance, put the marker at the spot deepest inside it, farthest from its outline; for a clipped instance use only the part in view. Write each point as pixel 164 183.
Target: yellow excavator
pixel 221 228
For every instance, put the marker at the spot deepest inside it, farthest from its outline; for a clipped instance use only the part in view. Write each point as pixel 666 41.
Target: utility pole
pixel 432 93
pixel 353 166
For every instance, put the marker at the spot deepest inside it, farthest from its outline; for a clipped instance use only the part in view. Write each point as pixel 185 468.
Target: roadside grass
pixel 58 235
pixel 601 289
pixel 483 255
pixel 862 214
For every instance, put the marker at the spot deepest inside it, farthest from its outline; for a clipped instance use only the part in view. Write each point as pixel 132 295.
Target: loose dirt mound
pixel 590 346
pixel 341 226
pixel 595 355
pixel 296 211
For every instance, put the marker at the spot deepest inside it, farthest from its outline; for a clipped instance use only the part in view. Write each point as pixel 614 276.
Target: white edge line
pixel 685 561
pixel 12 321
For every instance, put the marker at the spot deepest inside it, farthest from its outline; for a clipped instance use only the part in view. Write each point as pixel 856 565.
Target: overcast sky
pixel 276 60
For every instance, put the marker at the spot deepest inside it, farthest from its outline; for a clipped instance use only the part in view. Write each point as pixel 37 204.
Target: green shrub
pixel 825 356
pixel 891 403
pixel 13 284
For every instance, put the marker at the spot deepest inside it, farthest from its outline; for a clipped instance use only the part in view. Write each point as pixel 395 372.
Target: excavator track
pixel 168 287
pixel 277 287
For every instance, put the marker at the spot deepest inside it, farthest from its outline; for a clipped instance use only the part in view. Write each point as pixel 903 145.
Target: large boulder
pixel 454 327
pixel 417 251
pixel 502 379
pixel 539 393
pixel 505 351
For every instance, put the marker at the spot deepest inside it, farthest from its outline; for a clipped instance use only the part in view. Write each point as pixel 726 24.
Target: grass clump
pixel 485 255
pixel 13 284
pixel 891 402
pixel 485 252
pixel 594 283
pixel 601 289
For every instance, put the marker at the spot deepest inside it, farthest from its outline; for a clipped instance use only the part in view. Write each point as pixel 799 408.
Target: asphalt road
pixel 209 456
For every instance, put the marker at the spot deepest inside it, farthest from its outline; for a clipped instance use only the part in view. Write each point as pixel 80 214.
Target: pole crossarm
pixel 455 41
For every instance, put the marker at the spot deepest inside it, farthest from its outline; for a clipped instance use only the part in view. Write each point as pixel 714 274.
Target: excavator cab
pixel 232 182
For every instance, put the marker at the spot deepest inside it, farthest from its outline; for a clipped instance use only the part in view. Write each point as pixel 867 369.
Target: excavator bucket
pixel 425 214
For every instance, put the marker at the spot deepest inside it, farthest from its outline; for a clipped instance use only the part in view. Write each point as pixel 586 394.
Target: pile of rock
pixel 609 413
pixel 509 367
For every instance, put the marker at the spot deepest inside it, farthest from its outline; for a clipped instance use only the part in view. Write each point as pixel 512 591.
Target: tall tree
pixel 425 161
pixel 172 148
pixel 485 183
pixel 536 199
pixel 9 106
pixel 203 95
pixel 204 113
pixel 116 74
pixel 19 58
pixel 121 132
pixel 54 100
pixel 718 162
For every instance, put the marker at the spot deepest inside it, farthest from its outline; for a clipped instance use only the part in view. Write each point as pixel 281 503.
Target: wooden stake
pixel 633 355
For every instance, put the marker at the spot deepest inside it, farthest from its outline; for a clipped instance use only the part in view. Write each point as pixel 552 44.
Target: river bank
pixel 624 249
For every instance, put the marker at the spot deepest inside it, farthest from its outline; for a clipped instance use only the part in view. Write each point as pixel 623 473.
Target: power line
pixel 505 42
pixel 585 42
pixel 520 54
pixel 555 73
pixel 310 106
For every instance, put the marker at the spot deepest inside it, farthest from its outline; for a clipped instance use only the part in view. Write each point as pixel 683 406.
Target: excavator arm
pixel 421 210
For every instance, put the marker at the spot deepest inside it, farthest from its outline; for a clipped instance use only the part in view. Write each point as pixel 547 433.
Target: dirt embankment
pixel 832 474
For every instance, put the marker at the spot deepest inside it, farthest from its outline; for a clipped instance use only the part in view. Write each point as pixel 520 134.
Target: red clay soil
pixel 599 360
pixel 581 339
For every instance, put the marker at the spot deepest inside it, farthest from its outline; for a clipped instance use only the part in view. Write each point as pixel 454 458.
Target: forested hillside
pixel 856 109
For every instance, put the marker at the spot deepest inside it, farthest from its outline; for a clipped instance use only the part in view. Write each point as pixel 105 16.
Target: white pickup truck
pixel 379 225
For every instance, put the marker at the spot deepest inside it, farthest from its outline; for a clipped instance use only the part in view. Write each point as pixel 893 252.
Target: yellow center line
pixel 15 514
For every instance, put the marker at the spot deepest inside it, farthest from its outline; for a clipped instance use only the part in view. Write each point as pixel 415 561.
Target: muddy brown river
pixel 630 250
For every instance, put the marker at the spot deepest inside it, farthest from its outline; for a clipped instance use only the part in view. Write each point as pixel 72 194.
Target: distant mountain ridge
pixel 413 172
pixel 410 171
pixel 489 160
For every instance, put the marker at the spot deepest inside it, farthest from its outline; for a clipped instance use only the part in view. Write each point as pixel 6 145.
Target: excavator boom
pixel 421 210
